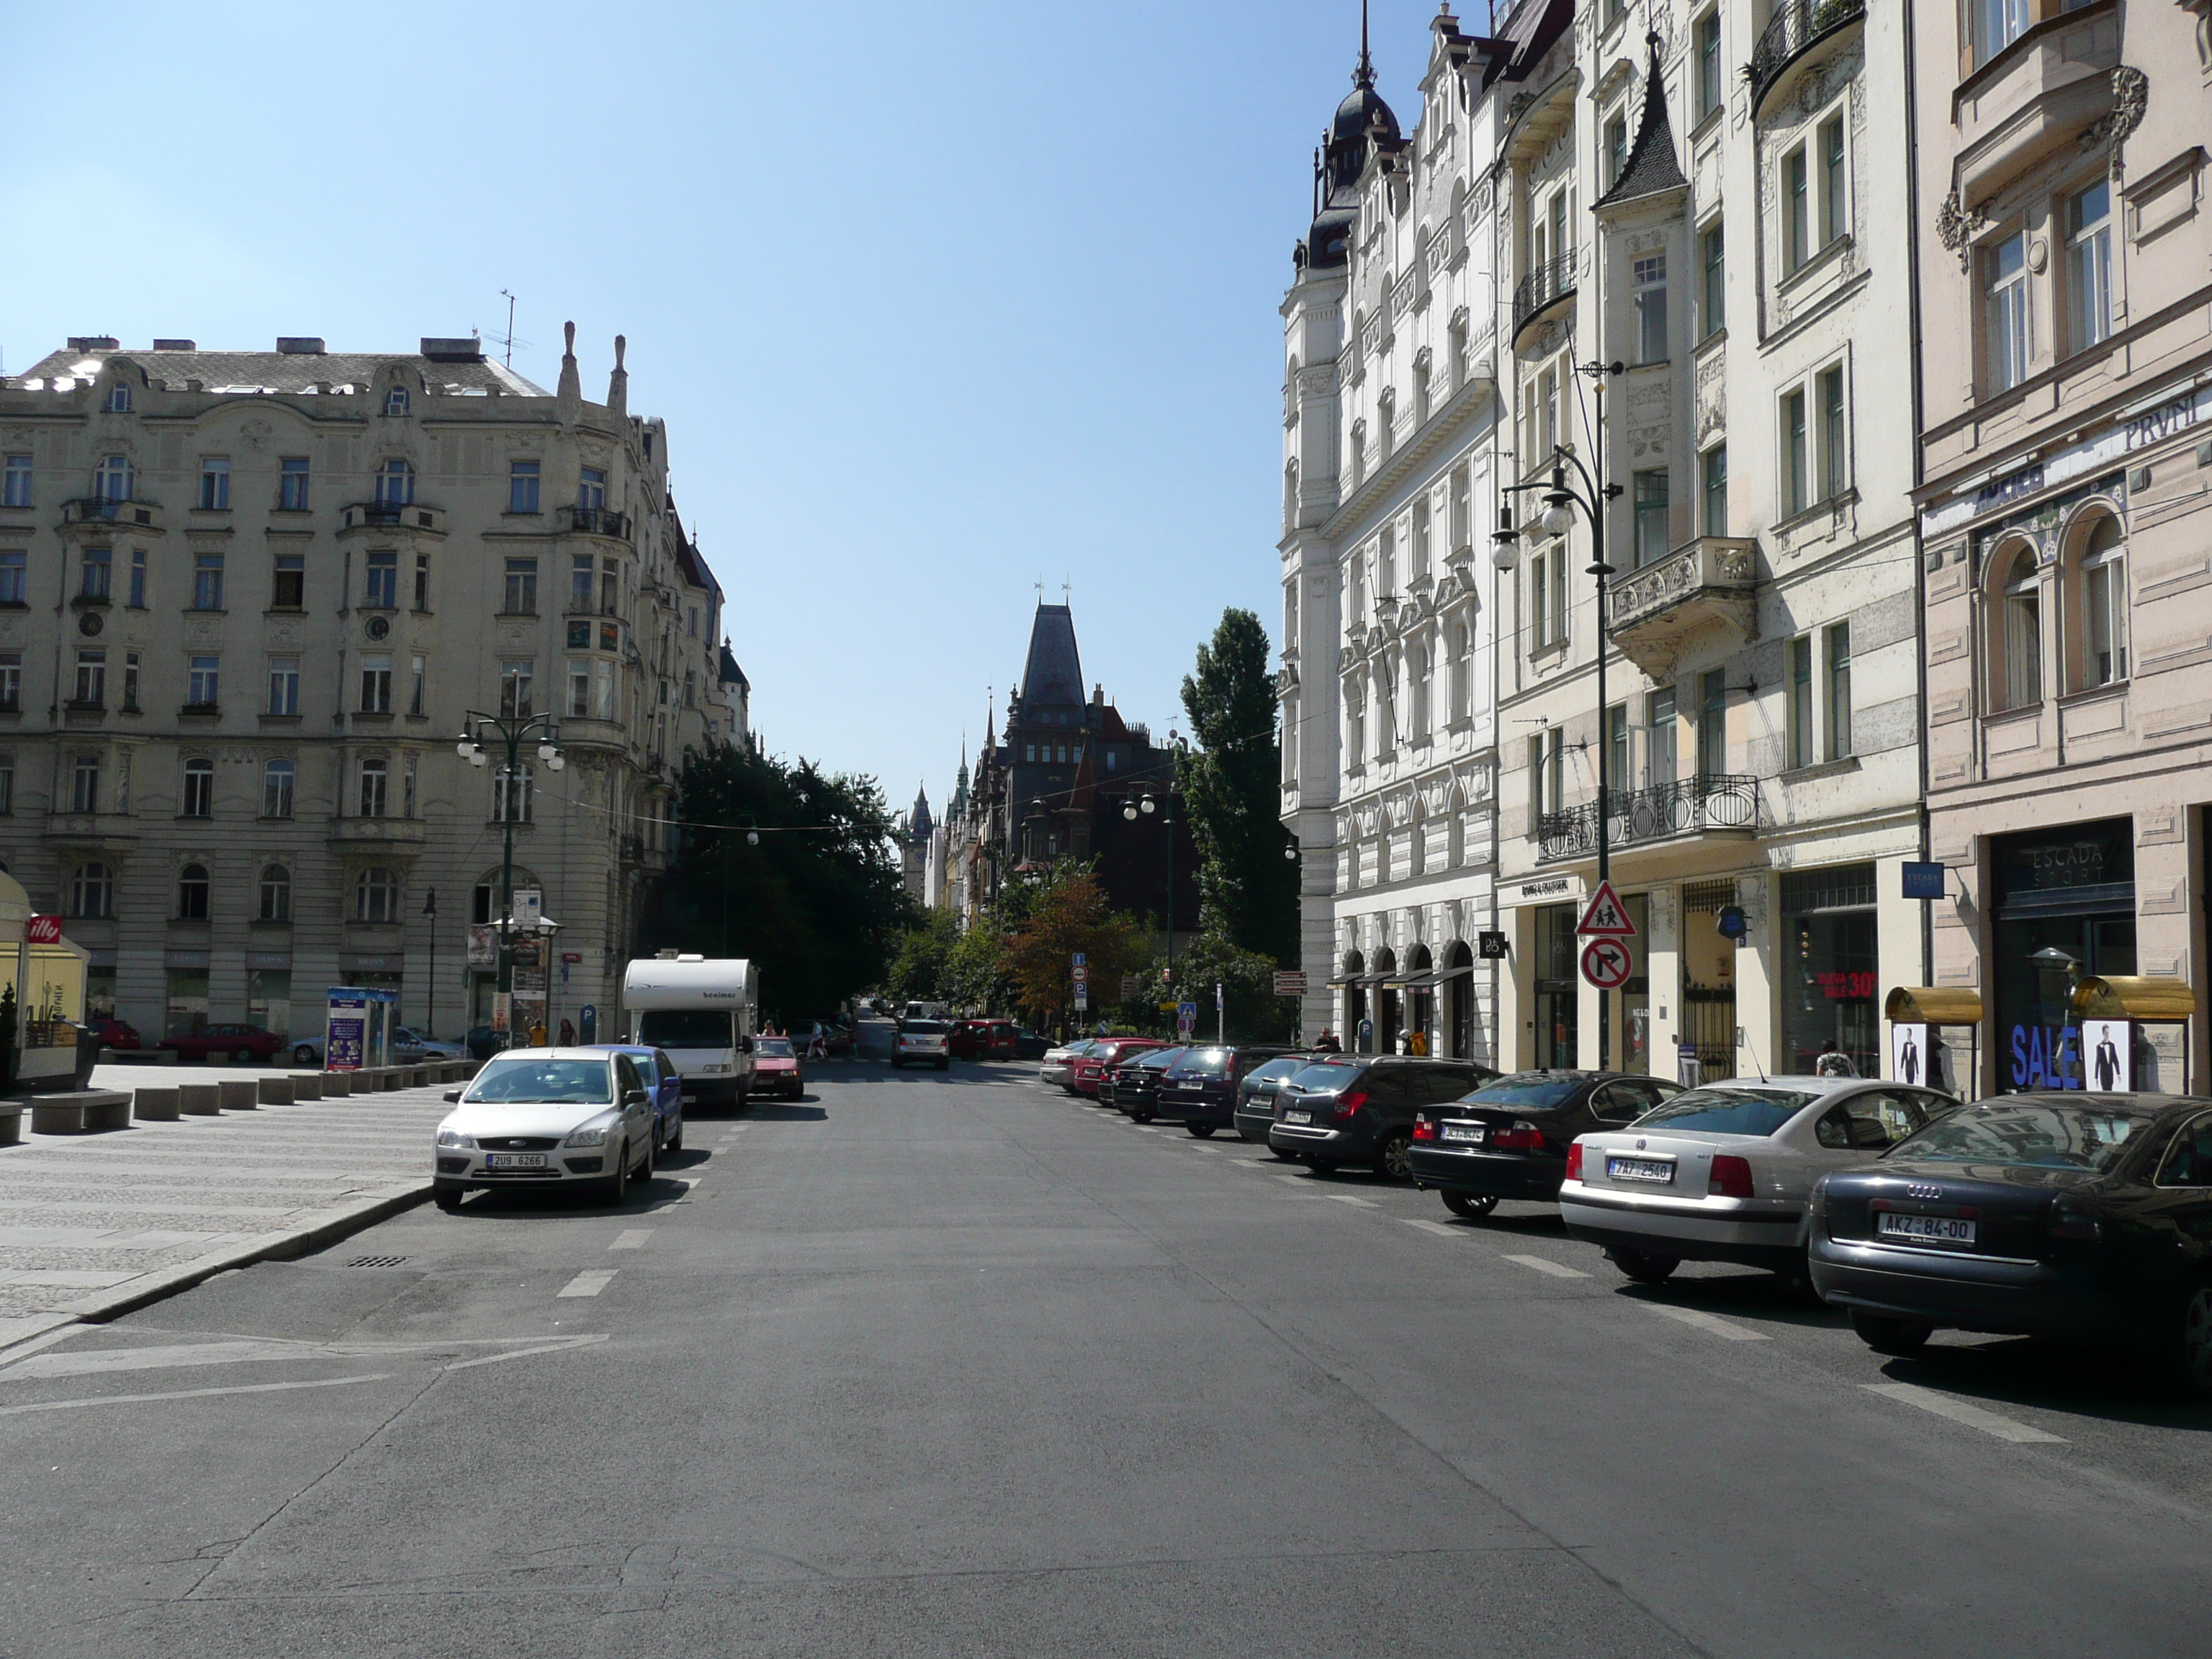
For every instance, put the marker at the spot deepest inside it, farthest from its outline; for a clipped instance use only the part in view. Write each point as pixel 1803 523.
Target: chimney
pixel 84 343
pixel 569 392
pixel 467 350
pixel 618 382
pixel 176 345
pixel 299 345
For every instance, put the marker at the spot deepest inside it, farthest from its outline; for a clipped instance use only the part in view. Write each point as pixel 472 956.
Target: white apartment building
pixel 1390 414
pixel 247 599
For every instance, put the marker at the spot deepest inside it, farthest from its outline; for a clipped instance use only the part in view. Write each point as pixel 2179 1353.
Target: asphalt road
pixel 934 1365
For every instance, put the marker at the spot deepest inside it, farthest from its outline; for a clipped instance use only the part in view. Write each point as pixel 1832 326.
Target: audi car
pixel 547 1117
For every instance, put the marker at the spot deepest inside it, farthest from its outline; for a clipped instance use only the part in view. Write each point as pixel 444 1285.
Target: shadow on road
pixel 2112 1384
pixel 787 1111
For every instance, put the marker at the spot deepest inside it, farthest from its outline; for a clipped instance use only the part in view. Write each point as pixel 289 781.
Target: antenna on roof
pixel 1065 590
pixel 508 342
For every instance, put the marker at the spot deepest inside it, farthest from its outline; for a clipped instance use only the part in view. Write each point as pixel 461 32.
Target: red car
pixel 775 1068
pixel 113 1033
pixel 242 1043
pixel 1110 1053
pixel 981 1039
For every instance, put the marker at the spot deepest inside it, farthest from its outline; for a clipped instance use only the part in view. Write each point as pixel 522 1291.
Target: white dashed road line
pixel 631 1238
pixel 1364 1203
pixel 2001 1428
pixel 1550 1268
pixel 186 1394
pixel 1705 1321
pixel 590 1282
pixel 1438 1228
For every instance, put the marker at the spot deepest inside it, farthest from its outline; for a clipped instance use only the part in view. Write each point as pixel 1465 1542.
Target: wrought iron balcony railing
pixel 1545 286
pixel 1686 807
pixel 599 522
pixel 1795 25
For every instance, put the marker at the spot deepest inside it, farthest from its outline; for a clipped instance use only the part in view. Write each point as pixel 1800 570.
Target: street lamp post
pixel 430 978
pixel 510 731
pixel 1164 805
pixel 1560 499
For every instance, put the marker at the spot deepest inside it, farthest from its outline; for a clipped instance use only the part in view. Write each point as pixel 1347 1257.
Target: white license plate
pixel 1935 1229
pixel 514 1160
pixel 1659 1171
pixel 1297 1117
pixel 1474 1132
pixel 1193 1086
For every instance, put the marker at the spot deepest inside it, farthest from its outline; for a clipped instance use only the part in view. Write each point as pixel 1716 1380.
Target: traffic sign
pixel 1082 974
pixel 1605 915
pixel 1080 957
pixel 1607 964
pixel 1290 983
pixel 1186 1019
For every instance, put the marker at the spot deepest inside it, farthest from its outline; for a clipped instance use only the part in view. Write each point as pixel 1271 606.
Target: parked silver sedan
pixel 536 1117
pixel 1058 1065
pixel 1723 1173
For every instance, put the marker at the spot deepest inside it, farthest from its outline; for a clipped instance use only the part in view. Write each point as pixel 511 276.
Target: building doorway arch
pixel 1459 1000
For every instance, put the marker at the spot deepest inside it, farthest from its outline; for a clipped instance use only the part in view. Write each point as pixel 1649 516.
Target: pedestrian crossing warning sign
pixel 1605 915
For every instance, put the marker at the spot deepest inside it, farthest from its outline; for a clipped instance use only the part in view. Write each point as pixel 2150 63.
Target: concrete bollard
pixel 306 1085
pixel 157 1105
pixel 419 1077
pixel 274 1091
pixel 239 1094
pixel 391 1077
pixel 336 1085
pixel 199 1099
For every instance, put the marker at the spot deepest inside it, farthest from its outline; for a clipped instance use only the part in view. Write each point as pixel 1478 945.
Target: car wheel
pixel 651 1161
pixel 1394 1158
pixel 1140 1117
pixel 2195 1357
pixel 302 1054
pixel 943 1064
pixel 1201 1131
pixel 1470 1206
pixel 447 1198
pixel 675 1140
pixel 896 1063
pixel 1886 1334
pixel 618 1184
pixel 242 1056
pixel 1644 1269
pixel 1322 1165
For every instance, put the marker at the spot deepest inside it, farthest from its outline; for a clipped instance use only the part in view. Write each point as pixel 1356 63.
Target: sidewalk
pixel 92 1224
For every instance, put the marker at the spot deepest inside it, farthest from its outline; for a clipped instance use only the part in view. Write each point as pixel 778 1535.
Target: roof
pixel 1054 673
pixel 1651 168
pixel 730 673
pixel 285 371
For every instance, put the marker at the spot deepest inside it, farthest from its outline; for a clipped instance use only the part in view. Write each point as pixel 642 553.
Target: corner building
pixel 247 600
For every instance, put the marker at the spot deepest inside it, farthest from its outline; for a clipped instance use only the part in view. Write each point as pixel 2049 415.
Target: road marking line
pixel 1550 1268
pixel 562 1346
pixel 186 1393
pixel 1705 1321
pixel 590 1282
pixel 1295 1179
pixel 2003 1428
pixel 1438 1228
pixel 631 1238
pixel 1364 1203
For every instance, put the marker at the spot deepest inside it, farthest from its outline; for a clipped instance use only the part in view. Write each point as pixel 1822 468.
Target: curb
pixel 104 1305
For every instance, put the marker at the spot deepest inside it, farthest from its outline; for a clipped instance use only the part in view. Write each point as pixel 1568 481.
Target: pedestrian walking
pixel 568 1031
pixel 1326 1043
pixel 1417 1045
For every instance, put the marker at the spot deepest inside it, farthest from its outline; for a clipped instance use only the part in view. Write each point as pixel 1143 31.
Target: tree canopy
pixel 1248 889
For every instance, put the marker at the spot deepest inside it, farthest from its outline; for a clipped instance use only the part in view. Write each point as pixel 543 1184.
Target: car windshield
pixel 685 1028
pixel 776 1048
pixel 1528 1091
pixel 2044 1137
pixel 1206 1062
pixel 1750 1111
pixel 924 1028
pixel 1159 1060
pixel 1324 1076
pixel 522 1081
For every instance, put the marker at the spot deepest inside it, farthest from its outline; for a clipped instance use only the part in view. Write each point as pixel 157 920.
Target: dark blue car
pixel 660 1074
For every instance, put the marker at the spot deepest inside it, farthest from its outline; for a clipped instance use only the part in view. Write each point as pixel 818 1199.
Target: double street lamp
pixel 512 733
pixel 1160 802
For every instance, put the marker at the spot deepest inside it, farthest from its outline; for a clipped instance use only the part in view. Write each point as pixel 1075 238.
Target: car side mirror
pixel 744 1045
pixel 452 1096
pixel 634 1097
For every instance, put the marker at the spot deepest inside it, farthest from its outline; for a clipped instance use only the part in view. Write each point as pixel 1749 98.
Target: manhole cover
pixel 376 1261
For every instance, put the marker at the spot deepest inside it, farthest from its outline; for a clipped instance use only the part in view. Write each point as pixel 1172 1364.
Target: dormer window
pixel 395 401
pixel 118 399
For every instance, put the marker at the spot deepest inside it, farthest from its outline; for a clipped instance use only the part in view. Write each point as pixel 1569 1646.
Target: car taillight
pixel 1346 1104
pixel 1518 1138
pixel 1731 1177
pixel 1424 1130
pixel 2068 1221
pixel 1574 1161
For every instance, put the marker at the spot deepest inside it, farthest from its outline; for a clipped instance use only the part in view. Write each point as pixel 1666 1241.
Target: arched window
pixel 395 401
pixel 395 484
pixel 2016 678
pixel 276 893
pixel 199 788
pixel 376 895
pixel 92 891
pixel 2101 605
pixel 193 893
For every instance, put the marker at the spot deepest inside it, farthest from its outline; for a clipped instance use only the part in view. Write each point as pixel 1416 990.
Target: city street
pixel 954 1364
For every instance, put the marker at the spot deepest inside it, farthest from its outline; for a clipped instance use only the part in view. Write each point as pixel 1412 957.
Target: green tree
pixel 1254 1012
pixel 920 967
pixel 1247 891
pixel 1066 913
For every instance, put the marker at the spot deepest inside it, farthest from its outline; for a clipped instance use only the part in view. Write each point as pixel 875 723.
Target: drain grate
pixel 376 1261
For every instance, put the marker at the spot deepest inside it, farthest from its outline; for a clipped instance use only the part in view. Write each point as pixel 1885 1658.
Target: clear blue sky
pixel 937 300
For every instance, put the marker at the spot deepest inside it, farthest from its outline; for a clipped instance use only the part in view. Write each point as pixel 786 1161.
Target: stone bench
pixel 157 1105
pixel 240 1094
pixel 336 1085
pixel 274 1091
pixel 305 1086
pixel 11 1122
pixel 199 1099
pixel 80 1112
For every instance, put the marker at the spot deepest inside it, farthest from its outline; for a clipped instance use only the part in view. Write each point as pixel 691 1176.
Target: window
pixel 92 891
pixel 193 893
pixel 2089 264
pixel 418 678
pixel 1355 731
pixel 277 780
pixel 1796 484
pixel 99 573
pixel 1835 200
pixel 1713 465
pixel 1616 149
pixel 1801 751
pixel 592 490
pixel 1461 362
pixel 1712 248
pixel 407 788
pixel 1835 453
pixel 1997 24
pixel 421 582
pixel 91 679
pixel 1706 38
pixel 7 786
pixel 610 591
pixel 199 788
pixel 603 683
pixel 1797 209
pixel 1659 759
pixel 2104 606
pixel 207 581
pixel 292 485
pixel 14 577
pixel 137 578
pixel 1385 425
pixel 276 893
pixel 1547 597
pixel 84 797
pixel 2020 630
pixel 375 685
pixel 521 597
pixel 376 897
pixel 111 481
pixel 1386 564
pixel 1462 509
pixel 2004 311
pixel 1547 762
pixel 580 687
pixel 395 484
pixel 214 484
pixel 288 589
pixel 395 401
pixel 515 689
pixel 1712 722
pixel 131 665
pixel 118 400
pixel 383 591
pixel 1651 521
pixel 375 778
pixel 522 486
pixel 16 486
pixel 203 676
pixel 1836 639
pixel 1651 299
pixel 579 582
pixel 1616 749
pixel 11 681
pixel 510 796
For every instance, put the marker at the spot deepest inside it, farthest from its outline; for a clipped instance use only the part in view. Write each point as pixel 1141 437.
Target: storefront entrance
pixel 1459 1001
pixel 1830 969
pixel 2064 902
pixel 1708 1023
pixel 1558 1022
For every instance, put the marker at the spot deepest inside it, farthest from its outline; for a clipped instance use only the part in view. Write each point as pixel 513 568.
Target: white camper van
pixel 702 1013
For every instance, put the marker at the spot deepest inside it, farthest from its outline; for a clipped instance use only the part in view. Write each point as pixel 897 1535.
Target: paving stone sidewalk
pixel 89 1223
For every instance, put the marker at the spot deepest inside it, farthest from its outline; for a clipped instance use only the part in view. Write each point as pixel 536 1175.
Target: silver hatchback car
pixel 547 1117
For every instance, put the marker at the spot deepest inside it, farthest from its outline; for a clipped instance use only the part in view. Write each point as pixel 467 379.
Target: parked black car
pixel 1135 1084
pixel 1028 1045
pixel 1509 1137
pixel 1358 1109
pixel 2085 1216
pixel 1201 1086
pixel 1255 1096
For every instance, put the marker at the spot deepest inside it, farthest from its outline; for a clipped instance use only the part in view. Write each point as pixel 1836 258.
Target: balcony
pixel 1545 291
pixel 598 521
pixel 2054 88
pixel 97 512
pixel 1696 806
pixel 397 835
pixel 392 515
pixel 1795 28
pixel 1653 614
pixel 105 832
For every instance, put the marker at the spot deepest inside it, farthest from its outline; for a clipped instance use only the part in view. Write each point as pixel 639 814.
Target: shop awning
pixel 1933 1005
pixel 1444 974
pixel 2133 997
pixel 1339 984
pixel 1423 982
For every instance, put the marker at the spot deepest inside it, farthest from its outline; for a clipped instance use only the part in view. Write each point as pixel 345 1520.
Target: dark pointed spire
pixel 1365 74
pixel 1651 168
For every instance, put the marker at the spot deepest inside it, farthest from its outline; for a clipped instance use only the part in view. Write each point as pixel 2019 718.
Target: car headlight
pixel 594 1136
pixel 455 1139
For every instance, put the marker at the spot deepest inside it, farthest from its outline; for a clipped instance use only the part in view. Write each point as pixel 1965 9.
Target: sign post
pixel 1607 962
